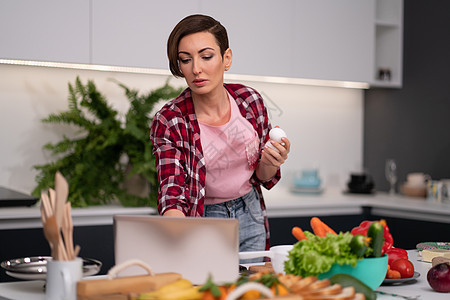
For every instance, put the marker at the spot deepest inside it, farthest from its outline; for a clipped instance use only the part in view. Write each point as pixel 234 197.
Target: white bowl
pixel 277 254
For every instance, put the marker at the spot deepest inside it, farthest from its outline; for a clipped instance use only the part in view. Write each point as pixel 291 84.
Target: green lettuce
pixel 316 255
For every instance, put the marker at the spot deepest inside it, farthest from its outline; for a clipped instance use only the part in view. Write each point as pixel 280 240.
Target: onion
pixel 439 277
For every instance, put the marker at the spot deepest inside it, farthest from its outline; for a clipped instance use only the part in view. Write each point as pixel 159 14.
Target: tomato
pixel 396 253
pixel 404 266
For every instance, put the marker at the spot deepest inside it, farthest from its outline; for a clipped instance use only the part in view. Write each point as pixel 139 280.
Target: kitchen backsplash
pixel 324 124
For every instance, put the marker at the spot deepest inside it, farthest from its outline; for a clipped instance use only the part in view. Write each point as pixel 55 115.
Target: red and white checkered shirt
pixel 175 135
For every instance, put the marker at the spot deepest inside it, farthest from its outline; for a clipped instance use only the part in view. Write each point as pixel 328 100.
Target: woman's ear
pixel 227 59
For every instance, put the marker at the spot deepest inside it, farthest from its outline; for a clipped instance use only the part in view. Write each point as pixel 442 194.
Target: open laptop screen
pixel 193 247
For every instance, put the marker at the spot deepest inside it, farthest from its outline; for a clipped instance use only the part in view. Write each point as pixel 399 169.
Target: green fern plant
pixel 105 151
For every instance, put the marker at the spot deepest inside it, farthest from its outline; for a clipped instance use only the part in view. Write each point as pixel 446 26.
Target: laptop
pixel 193 247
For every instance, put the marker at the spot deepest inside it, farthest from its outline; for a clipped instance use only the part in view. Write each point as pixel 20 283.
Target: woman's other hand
pixel 275 158
pixel 271 159
pixel 173 213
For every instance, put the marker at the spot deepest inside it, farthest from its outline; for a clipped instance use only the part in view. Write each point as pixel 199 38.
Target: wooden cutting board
pixel 118 288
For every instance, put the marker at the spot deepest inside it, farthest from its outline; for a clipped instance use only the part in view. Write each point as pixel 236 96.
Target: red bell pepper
pixel 364 226
pixel 396 253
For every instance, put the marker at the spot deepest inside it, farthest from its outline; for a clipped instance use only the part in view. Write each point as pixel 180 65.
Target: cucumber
pixel 358 245
pixel 347 280
pixel 376 233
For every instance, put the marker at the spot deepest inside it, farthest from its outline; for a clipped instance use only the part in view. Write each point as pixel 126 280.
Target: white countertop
pixel 33 290
pixel 30 217
pixel 280 202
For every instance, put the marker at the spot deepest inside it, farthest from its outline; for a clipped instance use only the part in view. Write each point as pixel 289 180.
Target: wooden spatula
pixel 62 190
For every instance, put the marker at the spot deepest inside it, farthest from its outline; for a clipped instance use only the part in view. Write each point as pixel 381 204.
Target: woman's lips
pixel 200 82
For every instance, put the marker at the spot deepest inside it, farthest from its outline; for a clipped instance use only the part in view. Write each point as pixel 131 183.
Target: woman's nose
pixel 196 66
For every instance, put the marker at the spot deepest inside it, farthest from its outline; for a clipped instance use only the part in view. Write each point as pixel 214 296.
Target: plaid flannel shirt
pixel 175 135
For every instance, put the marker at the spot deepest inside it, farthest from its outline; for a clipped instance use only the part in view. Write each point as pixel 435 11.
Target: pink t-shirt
pixel 231 153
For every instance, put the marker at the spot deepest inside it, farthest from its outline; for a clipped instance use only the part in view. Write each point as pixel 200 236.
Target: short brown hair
pixel 193 24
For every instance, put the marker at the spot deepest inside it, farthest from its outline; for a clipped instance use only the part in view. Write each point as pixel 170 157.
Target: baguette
pixel 317 285
pixel 359 296
pixel 302 284
pixel 327 290
pixel 347 293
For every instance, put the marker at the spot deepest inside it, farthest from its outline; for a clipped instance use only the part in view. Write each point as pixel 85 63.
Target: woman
pixel 209 141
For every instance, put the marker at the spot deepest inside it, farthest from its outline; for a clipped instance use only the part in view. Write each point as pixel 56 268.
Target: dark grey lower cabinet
pixel 96 242
pixel 407 233
pixel 280 228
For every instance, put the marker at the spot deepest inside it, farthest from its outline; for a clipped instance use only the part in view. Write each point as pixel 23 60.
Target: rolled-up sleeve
pixel 170 159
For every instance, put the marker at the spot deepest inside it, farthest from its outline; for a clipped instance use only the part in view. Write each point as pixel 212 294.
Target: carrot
pixel 298 233
pixel 320 228
pixel 317 227
pixel 328 229
pixel 393 274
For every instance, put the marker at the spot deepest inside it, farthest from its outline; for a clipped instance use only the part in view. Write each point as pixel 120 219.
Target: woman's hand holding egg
pixel 276 134
pixel 273 155
pixel 276 154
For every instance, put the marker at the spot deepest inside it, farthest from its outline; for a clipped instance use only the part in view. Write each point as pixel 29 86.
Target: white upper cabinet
pixel 345 40
pixel 333 39
pixel 320 39
pixel 45 30
pixel 260 34
pixel 134 33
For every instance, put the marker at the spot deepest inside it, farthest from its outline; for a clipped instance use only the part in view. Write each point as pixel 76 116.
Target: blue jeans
pixel 247 209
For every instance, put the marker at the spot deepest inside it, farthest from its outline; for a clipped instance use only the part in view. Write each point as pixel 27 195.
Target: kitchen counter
pixel 93 231
pixel 30 217
pixel 33 290
pixel 281 202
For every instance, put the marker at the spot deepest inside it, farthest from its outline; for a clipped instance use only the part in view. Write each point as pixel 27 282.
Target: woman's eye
pixel 184 60
pixel 207 57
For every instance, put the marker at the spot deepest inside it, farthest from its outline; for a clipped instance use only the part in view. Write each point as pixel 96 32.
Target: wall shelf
pixel 388 43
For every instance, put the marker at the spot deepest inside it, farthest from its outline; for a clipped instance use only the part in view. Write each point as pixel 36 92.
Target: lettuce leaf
pixel 316 255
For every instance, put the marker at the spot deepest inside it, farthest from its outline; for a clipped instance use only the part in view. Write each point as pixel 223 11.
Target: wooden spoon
pixel 67 230
pixel 62 190
pixel 51 233
pixel 52 199
pixel 46 205
pixel 76 251
pixel 53 236
pixel 43 217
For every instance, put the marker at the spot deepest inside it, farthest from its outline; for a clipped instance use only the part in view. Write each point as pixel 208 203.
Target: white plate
pixel 401 280
pixel 35 267
pixel 25 276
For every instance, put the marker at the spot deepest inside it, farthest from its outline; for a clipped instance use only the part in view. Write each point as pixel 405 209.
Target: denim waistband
pixel 238 202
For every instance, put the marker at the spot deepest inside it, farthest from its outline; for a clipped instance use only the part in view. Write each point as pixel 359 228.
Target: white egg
pixel 268 143
pixel 276 134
